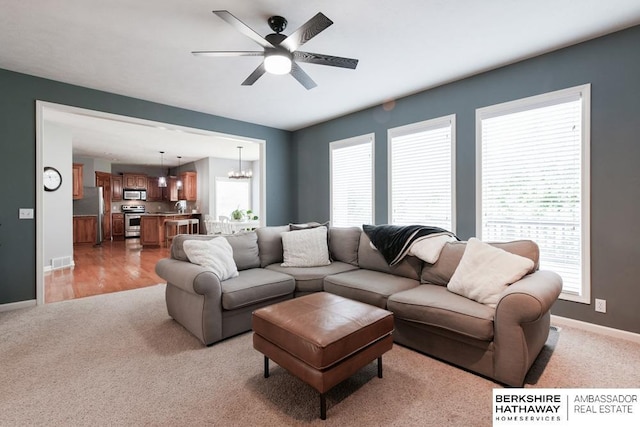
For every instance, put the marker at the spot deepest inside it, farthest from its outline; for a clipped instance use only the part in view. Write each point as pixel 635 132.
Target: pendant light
pixel 162 180
pixel 240 174
pixel 179 182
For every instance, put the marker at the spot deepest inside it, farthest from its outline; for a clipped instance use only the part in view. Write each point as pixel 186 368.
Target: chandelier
pixel 240 173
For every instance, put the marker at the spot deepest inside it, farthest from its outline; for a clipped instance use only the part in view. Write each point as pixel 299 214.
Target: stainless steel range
pixel 132 219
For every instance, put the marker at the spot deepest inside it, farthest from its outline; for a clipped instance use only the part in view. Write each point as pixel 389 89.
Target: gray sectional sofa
pixel 500 343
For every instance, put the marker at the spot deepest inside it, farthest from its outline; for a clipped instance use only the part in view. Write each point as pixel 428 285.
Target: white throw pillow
pixel 485 272
pixel 305 248
pixel 215 255
pixel 429 247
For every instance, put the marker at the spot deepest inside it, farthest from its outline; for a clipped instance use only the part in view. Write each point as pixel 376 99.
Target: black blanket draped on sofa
pixel 394 241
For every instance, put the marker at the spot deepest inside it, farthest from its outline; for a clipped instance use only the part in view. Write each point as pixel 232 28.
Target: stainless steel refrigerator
pixel 91 203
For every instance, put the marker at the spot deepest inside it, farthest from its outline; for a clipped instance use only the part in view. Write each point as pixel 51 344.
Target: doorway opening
pixel 69 127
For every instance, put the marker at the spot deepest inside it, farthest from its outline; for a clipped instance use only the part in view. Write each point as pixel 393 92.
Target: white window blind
pixel 421 173
pixel 352 181
pixel 534 180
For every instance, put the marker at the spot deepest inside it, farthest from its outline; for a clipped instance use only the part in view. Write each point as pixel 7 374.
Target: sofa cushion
pixel 370 259
pixel 270 244
pixel 307 225
pixel 434 305
pixel 440 272
pixel 371 287
pixel 305 248
pixel 311 279
pixel 485 272
pixel 343 244
pixel 215 255
pixel 254 286
pixel 245 247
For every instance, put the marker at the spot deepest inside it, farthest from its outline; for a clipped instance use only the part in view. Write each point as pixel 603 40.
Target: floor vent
pixel 62 262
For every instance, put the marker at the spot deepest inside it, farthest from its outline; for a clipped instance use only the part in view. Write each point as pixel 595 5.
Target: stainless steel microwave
pixel 134 194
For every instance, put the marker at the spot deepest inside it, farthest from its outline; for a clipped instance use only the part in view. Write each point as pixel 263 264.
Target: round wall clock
pixel 51 178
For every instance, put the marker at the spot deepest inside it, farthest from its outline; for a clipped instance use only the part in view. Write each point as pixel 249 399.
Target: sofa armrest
pixel 521 324
pixel 530 297
pixel 189 277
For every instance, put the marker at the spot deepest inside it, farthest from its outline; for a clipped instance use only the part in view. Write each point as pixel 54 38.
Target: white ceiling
pixel 143 48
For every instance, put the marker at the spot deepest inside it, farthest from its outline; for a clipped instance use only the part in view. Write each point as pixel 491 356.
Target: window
pixel 533 180
pixel 421 173
pixel 232 194
pixel 352 181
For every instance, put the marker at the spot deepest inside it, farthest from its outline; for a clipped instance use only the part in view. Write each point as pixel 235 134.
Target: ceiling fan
pixel 281 52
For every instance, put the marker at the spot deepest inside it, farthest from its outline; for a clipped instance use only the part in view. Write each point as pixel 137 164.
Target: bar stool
pixel 194 226
pixel 175 224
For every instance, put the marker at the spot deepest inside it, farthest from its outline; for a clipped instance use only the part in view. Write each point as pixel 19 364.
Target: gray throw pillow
pixel 270 244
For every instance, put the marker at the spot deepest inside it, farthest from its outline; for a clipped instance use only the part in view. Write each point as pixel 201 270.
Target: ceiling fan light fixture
pixel 277 63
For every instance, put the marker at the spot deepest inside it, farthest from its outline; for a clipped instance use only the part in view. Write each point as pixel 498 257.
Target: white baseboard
pixel 17 305
pixel 598 329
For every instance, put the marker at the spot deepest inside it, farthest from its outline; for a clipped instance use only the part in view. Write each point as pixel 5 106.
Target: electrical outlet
pixel 601 305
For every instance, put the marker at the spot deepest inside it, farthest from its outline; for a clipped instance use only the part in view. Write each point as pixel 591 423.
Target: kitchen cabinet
pixel 154 193
pixel 116 188
pixel 189 189
pixel 152 228
pixel 170 192
pixel 117 226
pixel 77 180
pixel 134 181
pixel 85 229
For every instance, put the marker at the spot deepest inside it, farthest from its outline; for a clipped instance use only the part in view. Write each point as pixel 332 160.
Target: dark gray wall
pixel 612 65
pixel 18 94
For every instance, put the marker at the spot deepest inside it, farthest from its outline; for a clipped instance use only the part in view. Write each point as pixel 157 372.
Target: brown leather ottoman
pixel 322 338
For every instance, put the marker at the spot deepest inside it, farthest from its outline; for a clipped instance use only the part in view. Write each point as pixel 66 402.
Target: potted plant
pixel 237 214
pixel 251 216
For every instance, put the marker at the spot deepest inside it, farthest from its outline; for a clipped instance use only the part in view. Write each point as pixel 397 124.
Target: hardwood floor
pixel 111 267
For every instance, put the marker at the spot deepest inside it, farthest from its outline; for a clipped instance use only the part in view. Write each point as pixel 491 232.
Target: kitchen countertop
pixel 81 215
pixel 167 214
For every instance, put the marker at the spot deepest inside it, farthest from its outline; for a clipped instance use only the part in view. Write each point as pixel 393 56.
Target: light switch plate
pixel 26 213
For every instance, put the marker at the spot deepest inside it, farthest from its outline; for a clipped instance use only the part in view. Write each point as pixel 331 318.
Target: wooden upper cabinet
pixel 170 192
pixel 116 188
pixel 154 193
pixel 134 181
pixel 189 190
pixel 77 181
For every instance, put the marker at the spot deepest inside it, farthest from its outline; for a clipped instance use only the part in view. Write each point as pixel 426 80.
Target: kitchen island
pixel 152 228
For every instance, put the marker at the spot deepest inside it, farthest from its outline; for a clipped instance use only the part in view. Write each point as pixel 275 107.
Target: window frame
pixel 531 103
pixel 350 142
pixel 423 126
pixel 218 179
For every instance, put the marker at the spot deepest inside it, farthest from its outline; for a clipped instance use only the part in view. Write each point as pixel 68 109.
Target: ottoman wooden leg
pixel 380 367
pixel 266 367
pixel 323 407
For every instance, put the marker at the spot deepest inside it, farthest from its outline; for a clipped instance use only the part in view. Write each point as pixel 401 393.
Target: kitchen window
pixel 533 180
pixel 232 194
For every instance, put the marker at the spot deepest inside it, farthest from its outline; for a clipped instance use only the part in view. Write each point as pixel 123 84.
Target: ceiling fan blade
pixel 240 26
pixel 333 61
pixel 302 77
pixel 306 32
pixel 257 73
pixel 227 53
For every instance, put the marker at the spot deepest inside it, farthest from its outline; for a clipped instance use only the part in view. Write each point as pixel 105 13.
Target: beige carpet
pixel 119 360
